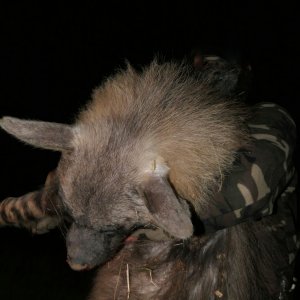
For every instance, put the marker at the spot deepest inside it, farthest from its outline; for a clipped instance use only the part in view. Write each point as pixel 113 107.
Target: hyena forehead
pixel 101 184
pixel 114 153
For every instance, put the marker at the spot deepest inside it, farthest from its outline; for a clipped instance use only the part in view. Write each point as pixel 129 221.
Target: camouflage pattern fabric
pixel 263 181
pixel 263 175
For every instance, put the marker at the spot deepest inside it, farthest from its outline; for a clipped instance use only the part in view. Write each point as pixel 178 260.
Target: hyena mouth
pixel 130 239
pixel 78 266
pixel 75 265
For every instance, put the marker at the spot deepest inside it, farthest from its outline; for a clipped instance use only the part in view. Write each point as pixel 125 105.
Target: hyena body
pixel 150 149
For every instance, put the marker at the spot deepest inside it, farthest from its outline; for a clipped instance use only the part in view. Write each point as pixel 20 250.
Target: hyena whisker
pixel 128 281
pixel 118 278
pixel 62 226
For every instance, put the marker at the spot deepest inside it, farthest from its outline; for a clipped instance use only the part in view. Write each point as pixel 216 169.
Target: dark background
pixel 52 55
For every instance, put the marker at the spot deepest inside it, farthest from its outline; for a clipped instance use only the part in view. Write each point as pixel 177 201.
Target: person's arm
pixel 263 174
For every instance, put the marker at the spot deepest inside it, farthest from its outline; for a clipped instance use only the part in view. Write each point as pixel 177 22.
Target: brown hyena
pixel 149 151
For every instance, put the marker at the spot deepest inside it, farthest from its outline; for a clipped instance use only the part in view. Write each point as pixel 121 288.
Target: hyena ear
pixel 53 136
pixel 165 207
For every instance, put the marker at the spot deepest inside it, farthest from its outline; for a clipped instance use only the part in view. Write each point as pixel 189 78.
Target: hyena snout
pixel 87 248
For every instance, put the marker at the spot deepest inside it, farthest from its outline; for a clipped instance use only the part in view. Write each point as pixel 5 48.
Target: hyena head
pixel 106 192
pixel 144 143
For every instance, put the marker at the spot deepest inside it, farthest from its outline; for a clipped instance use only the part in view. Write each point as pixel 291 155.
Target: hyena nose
pixel 77 266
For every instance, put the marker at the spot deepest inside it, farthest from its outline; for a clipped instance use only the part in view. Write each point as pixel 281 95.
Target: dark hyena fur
pixel 223 265
pixel 146 151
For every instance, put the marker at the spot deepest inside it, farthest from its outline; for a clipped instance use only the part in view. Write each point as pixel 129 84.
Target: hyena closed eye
pixel 148 151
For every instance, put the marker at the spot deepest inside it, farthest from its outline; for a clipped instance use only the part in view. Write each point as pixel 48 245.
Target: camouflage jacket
pixel 263 180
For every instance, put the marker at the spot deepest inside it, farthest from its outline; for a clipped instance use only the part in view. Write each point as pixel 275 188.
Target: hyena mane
pixel 169 114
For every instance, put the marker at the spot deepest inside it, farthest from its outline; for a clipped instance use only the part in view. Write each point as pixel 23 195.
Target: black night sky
pixel 53 53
